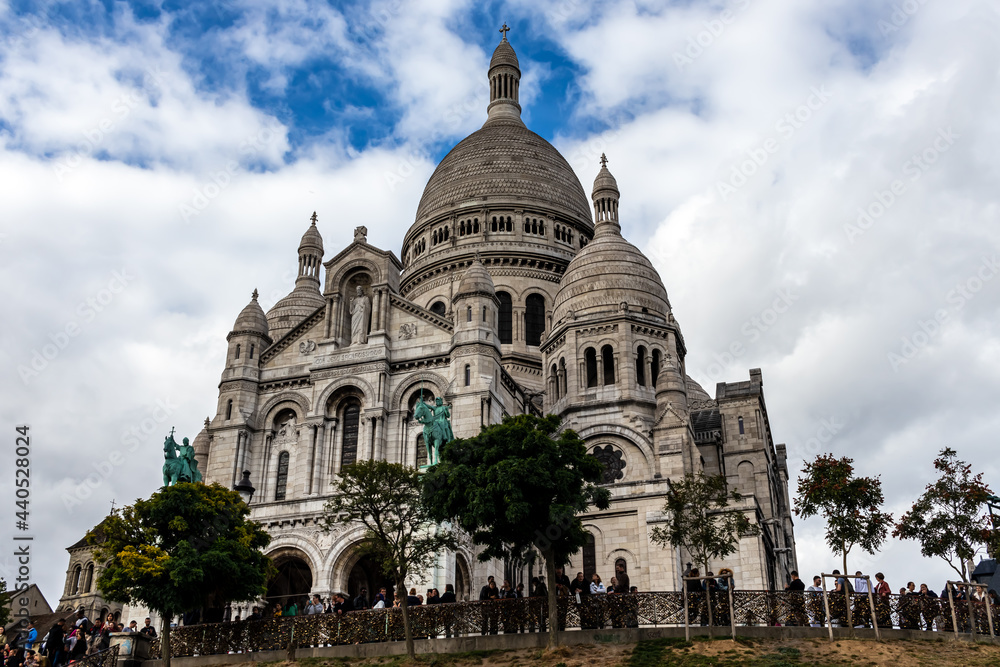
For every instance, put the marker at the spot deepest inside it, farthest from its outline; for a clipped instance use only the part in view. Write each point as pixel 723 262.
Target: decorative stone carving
pixel 614 463
pixel 307 346
pixel 361 234
pixel 407 330
pixel 360 308
pixel 288 433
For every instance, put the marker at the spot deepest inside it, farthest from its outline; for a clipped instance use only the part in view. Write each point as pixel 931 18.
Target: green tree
pixel 4 602
pixel 515 487
pixel 699 521
pixel 190 546
pixel 949 519
pixel 850 505
pixel 400 534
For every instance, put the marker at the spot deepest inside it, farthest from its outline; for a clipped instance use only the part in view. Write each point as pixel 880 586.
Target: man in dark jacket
pixel 54 645
pixel 448 598
pixel 361 601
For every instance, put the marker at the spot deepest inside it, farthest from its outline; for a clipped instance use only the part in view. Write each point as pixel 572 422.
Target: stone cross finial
pixel 314 217
pixel 505 30
pixel 254 295
pixel 604 160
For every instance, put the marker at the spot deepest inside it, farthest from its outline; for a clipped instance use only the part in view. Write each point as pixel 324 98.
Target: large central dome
pixel 504 162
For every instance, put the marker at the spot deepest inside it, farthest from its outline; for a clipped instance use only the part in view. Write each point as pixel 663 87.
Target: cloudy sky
pixel 816 183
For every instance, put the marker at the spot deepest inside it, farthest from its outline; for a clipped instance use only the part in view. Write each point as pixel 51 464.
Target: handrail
pixel 742 608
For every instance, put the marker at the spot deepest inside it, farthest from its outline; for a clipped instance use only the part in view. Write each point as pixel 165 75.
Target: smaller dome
pixel 476 280
pixel 312 238
pixel 604 180
pixel 504 55
pixel 251 319
pixel 289 312
pixel 695 391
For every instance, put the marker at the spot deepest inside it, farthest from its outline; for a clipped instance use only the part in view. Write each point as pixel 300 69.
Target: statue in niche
pixel 361 307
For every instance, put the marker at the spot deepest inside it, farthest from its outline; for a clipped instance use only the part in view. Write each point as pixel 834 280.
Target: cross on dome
pixel 314 217
pixel 604 160
pixel 254 295
pixel 504 30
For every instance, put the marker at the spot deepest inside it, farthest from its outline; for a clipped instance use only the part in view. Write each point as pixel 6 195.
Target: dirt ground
pixel 719 652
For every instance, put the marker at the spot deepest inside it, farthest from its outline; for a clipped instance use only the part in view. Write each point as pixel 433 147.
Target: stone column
pixel 335 444
pixel 379 452
pixel 265 465
pixel 338 314
pixel 320 460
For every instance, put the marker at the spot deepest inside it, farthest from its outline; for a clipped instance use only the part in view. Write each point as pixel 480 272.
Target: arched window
pixel 237 350
pixel 506 318
pixel 484 313
pixel 608 361
pixel 352 420
pixel 421 451
pixel 510 224
pixel 534 319
pixel 229 409
pixel 251 350
pixel 281 482
pixel 468 314
pixel 640 366
pixel 89 583
pixel 554 382
pixel 77 573
pixel 562 376
pixel 655 370
pixel 438 308
pixel 740 421
pixel 468 375
pixel 475 226
pixel 493 225
pixel 590 358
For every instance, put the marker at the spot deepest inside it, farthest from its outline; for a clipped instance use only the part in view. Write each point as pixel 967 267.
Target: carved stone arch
pixel 333 284
pixel 307 550
pixel 271 407
pixel 516 295
pixel 629 557
pixel 618 434
pixel 358 383
pixel 404 388
pixel 642 342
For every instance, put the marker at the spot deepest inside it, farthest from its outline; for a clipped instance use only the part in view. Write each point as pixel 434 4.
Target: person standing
pixel 816 611
pixel 539 606
pixel 54 645
pixel 796 587
pixel 490 596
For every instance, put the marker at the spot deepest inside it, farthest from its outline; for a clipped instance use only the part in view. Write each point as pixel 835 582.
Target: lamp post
pixel 245 488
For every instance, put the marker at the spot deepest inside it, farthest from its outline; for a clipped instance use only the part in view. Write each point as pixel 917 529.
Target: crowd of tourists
pixel 913 608
pixel 67 641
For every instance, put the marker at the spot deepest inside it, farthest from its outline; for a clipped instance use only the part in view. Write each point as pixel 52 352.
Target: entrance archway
pixel 293 580
pixel 366 574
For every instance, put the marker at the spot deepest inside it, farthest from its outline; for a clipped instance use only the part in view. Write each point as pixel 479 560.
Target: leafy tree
pixel 189 546
pixel 850 505
pixel 4 601
pixel 399 531
pixel 948 519
pixel 699 521
pixel 515 487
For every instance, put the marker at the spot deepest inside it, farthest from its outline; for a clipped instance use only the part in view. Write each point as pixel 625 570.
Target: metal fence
pixel 749 608
pixel 106 658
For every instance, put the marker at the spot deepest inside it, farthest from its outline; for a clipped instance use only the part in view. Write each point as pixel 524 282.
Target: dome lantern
pixel 605 196
pixel 505 81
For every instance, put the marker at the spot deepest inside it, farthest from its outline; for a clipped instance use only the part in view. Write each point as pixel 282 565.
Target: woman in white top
pixel 596 586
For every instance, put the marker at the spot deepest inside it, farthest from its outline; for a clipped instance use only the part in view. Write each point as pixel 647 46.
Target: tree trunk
pixel 407 630
pixel 847 596
pixel 708 597
pixel 550 572
pixel 165 640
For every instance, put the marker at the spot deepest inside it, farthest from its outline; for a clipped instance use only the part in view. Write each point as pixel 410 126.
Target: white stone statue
pixel 360 308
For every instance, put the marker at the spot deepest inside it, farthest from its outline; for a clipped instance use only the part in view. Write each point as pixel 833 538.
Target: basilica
pixel 512 293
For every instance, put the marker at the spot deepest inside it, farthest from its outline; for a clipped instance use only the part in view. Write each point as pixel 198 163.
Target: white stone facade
pixel 509 297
